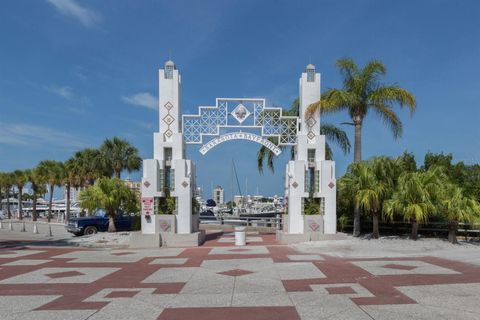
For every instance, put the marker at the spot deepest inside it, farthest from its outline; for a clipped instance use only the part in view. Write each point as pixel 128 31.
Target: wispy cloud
pixel 142 99
pixel 85 16
pixel 33 135
pixel 62 91
pixel 67 93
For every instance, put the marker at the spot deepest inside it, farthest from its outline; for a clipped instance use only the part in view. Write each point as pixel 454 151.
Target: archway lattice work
pixel 240 114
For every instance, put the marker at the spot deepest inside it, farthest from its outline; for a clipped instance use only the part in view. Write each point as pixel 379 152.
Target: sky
pixel 73 73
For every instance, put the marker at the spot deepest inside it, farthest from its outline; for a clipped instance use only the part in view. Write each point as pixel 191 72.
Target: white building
pixel 218 195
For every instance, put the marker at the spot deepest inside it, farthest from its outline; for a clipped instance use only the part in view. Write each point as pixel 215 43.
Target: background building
pixel 218 195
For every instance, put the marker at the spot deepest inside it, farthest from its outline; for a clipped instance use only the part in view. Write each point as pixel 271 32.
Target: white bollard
pixel 23 227
pixel 240 239
pixel 35 228
pixel 49 230
pixel 10 225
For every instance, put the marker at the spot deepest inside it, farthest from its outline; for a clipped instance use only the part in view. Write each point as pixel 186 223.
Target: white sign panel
pixel 240 136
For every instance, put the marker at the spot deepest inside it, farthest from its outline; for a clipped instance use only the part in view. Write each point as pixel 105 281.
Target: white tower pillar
pixel 310 163
pixel 168 174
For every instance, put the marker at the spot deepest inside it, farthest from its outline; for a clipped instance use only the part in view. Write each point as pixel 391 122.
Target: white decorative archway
pixel 170 173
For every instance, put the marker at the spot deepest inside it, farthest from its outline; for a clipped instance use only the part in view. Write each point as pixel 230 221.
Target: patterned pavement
pixel 260 281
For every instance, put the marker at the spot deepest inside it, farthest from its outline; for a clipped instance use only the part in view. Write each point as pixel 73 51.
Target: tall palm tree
pixel 51 172
pixel 72 178
pixel 332 133
pixel 21 178
pixel 120 155
pixel 37 183
pixel 363 91
pixel 458 208
pixel 111 195
pixel 8 180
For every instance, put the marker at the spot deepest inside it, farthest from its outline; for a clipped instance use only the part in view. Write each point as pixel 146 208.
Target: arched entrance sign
pixel 239 114
pixel 240 136
pixel 170 174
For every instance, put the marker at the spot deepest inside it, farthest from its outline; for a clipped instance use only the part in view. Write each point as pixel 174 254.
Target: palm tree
pixel 37 182
pixel 71 178
pixel 363 91
pixel 458 208
pixel 332 133
pixel 120 155
pixel 368 184
pixel 21 178
pixel 89 164
pixel 415 198
pixel 8 182
pixel 51 172
pixel 111 195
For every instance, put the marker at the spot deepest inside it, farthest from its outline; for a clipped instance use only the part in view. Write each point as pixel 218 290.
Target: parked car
pixel 98 223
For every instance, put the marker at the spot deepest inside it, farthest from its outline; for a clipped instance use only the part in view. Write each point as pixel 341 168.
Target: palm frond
pixel 333 100
pixel 388 95
pixel 336 136
pixel 390 119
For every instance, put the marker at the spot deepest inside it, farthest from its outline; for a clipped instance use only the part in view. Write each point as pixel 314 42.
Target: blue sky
pixel 73 73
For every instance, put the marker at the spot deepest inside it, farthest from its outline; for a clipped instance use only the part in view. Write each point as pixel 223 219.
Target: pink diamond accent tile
pixel 235 272
pixel 164 225
pixel 311 135
pixel 185 184
pixel 313 225
pixel 146 184
pixel 65 274
pixel 295 184
pixel 311 122
pixel 168 105
pixel 399 267
pixel 331 185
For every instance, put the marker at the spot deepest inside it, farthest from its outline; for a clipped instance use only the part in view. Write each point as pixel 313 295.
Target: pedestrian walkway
pixel 260 281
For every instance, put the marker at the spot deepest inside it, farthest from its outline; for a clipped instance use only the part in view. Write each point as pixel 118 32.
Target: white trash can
pixel 240 236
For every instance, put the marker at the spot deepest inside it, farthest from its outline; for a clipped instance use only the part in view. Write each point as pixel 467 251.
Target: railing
pixel 274 223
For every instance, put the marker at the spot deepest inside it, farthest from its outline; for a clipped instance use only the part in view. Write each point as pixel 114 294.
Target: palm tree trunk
pixel 356 220
pixel 357 157
pixel 67 209
pixel 111 222
pixel 20 204
pixel 34 205
pixel 376 232
pixel 452 232
pixel 8 203
pixel 414 235
pixel 50 200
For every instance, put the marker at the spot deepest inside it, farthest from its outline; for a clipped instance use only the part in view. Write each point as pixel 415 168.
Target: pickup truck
pixel 99 222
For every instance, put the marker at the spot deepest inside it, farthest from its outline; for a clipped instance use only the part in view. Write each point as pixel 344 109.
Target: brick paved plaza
pixel 263 280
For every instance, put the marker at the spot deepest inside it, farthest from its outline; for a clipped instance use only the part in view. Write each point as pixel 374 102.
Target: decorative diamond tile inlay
pixel 399 267
pixel 185 184
pixel 331 185
pixel 311 135
pixel 235 272
pixel 146 184
pixel 313 225
pixel 65 274
pixel 295 184
pixel 164 225
pixel 168 105
pixel 168 133
pixel 240 113
pixel 168 119
pixel 311 122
